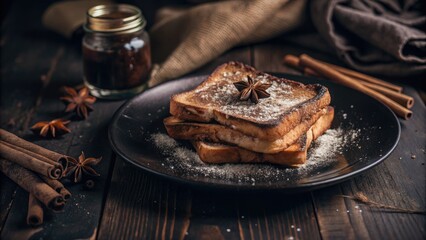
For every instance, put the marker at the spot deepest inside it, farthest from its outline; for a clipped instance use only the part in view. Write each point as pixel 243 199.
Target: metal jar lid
pixel 114 19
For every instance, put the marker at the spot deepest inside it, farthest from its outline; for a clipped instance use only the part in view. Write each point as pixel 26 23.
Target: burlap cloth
pixel 183 41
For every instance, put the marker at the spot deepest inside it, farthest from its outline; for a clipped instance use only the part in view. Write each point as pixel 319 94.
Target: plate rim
pixel 251 188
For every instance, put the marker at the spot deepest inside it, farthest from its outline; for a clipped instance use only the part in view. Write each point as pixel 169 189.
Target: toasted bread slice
pixel 211 132
pixel 289 104
pixel 217 153
pixel 293 156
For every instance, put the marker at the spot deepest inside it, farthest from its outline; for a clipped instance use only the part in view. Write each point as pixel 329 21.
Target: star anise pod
pixel 51 128
pixel 252 90
pixel 80 102
pixel 81 166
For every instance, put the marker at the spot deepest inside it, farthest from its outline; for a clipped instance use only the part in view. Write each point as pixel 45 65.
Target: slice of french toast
pixel 217 153
pixel 290 103
pixel 293 156
pixel 213 132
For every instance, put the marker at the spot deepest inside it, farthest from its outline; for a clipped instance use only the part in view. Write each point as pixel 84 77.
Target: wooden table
pixel 128 203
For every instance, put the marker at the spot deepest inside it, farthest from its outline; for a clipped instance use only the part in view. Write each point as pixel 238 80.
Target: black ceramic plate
pixel 368 128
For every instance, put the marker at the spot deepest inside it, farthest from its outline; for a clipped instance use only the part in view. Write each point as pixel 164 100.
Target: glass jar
pixel 116 51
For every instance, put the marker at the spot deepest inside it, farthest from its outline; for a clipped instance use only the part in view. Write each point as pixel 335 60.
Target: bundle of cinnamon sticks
pixel 389 94
pixel 37 171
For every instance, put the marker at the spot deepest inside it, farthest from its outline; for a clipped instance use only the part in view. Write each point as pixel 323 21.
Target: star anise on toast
pixel 80 102
pixel 253 90
pixel 81 166
pixel 51 128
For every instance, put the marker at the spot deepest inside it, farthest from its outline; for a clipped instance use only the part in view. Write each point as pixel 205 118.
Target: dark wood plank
pixel 214 216
pixel 141 206
pixel 89 136
pixel 277 217
pixel 8 192
pixel 240 54
pixel 19 88
pixel 31 79
pixel 332 215
pixel 399 181
pixel 269 56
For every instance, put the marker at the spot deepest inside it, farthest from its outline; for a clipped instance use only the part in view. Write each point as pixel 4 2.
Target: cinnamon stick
pixel 35 211
pixel 57 186
pixel 53 171
pixel 294 61
pixel 32 154
pixel 398 97
pixel 364 77
pixel 17 141
pixel 65 193
pixel 333 74
pixel 402 99
pixel 30 182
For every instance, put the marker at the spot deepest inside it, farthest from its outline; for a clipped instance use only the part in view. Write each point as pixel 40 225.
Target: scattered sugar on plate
pixel 325 147
pixel 164 142
pixel 322 153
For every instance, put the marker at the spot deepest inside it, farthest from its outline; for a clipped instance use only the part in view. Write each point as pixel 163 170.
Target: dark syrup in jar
pixel 116 51
pixel 125 64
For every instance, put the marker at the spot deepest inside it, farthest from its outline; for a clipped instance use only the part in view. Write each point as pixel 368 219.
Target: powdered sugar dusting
pixel 323 152
pixel 326 147
pixel 164 142
pixel 224 97
pixel 330 142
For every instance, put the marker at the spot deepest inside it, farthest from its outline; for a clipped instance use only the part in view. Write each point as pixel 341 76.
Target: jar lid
pixel 114 19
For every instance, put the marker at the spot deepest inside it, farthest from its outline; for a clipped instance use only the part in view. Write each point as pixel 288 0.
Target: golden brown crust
pixel 183 107
pixel 180 129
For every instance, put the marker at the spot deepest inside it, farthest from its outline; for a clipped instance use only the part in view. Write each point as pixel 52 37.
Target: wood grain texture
pixel 399 181
pixel 20 85
pixel 89 136
pixel 31 78
pixel 332 215
pixel 141 206
pixel 240 54
pixel 7 194
pixel 268 57
pixel 274 216
pixel 84 204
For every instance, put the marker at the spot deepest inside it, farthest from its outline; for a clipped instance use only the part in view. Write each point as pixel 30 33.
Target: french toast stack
pixel 241 115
